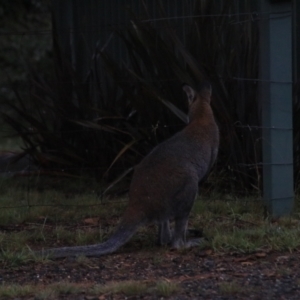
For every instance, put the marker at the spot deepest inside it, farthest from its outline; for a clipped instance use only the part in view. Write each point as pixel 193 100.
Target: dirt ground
pixel 199 274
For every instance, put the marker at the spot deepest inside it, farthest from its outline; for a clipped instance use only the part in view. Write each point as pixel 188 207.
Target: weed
pixel 15 290
pixel 242 240
pixel 56 290
pixel 40 292
pixel 84 237
pixel 15 240
pixel 14 258
pixel 128 288
pixel 158 258
pixel 284 271
pixel 166 288
pixel 46 294
pixel 66 288
pixel 64 235
pixel 230 288
pixel 280 238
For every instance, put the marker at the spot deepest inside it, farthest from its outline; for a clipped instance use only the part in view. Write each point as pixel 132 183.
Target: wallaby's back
pixel 165 183
pixel 187 156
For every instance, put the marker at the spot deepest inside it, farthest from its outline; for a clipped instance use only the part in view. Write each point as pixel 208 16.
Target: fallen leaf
pixel 260 254
pixel 208 252
pixel 246 263
pixel 91 221
pixel 243 258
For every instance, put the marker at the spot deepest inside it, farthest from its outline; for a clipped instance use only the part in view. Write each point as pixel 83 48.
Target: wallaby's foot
pixel 179 240
pixel 194 242
pixel 180 244
pixel 165 234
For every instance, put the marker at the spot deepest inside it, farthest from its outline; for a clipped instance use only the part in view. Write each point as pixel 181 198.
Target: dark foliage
pixel 105 124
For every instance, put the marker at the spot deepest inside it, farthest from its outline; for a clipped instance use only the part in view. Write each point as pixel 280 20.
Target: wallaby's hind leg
pixel 185 200
pixel 179 237
pixel 164 233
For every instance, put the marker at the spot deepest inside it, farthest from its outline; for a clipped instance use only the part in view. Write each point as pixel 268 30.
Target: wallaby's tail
pixel 123 233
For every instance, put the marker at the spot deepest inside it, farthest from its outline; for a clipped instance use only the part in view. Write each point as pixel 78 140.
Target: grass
pixel 234 289
pixel 9 258
pixel 44 217
pixel 129 288
pixel 40 292
pixel 230 288
pixel 166 288
pixel 53 291
pixel 15 290
pixel 38 218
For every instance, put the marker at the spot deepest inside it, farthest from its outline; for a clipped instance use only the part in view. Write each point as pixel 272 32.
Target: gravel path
pixel 198 274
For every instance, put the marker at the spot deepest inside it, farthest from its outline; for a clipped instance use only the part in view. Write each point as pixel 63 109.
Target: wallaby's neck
pixel 199 111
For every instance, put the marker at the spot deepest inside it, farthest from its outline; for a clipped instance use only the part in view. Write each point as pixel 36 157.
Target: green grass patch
pixel 9 258
pixel 230 288
pixel 15 290
pixel 166 288
pixel 128 288
pixel 35 218
pixel 40 292
pixel 55 290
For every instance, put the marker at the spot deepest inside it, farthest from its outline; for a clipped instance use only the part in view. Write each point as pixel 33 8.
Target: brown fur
pixel 165 183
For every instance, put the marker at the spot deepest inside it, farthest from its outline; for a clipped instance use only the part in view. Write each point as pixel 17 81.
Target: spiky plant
pixel 105 124
pixel 224 39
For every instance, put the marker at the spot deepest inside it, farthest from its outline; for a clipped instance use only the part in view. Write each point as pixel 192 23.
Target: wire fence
pixel 8 162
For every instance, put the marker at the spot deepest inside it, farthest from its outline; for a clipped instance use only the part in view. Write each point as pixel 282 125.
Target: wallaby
pixel 165 183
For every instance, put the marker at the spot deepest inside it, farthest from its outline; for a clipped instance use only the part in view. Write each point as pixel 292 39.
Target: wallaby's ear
pixel 190 92
pixel 205 90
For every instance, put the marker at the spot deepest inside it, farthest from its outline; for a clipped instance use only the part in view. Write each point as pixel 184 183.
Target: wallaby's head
pixel 198 99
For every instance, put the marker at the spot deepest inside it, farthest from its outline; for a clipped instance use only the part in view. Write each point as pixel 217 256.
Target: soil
pixel 199 274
